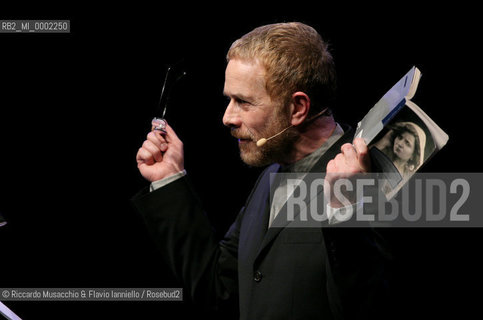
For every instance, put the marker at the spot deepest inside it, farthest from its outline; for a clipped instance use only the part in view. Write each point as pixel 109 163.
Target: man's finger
pixel 156 138
pixel 171 136
pixel 331 166
pixel 144 156
pixel 349 153
pixel 154 150
pixel 363 154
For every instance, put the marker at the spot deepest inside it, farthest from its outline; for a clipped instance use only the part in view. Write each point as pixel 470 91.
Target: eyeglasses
pixel 170 80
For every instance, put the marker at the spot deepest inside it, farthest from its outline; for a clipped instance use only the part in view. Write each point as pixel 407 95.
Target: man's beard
pixel 278 149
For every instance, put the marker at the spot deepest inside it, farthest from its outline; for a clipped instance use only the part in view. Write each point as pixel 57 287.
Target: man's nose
pixel 231 118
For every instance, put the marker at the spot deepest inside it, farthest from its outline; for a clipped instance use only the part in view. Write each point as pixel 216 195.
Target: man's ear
pixel 300 107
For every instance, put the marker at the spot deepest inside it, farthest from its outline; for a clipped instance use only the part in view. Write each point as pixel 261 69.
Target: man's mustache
pixel 240 134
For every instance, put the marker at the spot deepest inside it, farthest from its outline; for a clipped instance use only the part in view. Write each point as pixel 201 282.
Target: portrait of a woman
pixel 399 153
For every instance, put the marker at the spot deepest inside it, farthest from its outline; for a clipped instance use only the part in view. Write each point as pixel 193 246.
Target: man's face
pixel 252 114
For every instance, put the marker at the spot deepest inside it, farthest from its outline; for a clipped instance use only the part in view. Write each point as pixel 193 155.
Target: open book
pixel 401 137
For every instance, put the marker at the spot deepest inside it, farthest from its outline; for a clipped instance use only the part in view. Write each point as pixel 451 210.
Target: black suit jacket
pixel 279 273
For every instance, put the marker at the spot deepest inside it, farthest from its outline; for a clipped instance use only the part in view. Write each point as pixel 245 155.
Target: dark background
pixel 74 109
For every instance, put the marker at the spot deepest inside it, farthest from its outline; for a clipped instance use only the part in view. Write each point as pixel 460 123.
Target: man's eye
pixel 241 101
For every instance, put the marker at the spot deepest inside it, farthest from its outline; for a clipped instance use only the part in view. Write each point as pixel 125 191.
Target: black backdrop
pixel 76 107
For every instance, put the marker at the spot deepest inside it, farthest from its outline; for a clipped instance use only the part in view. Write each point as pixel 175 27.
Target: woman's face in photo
pixel 404 146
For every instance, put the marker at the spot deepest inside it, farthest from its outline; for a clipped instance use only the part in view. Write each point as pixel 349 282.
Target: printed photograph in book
pixel 400 149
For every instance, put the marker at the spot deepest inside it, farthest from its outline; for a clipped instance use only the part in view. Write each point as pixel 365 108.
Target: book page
pixel 438 135
pixel 402 147
pixel 414 84
pixel 386 108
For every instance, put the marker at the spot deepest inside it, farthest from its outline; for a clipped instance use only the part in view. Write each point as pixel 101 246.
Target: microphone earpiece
pixel 261 142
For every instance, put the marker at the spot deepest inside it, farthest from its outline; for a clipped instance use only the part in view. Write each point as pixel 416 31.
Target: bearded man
pixel 280 81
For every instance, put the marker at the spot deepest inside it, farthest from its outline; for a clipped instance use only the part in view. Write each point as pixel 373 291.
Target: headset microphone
pixel 262 141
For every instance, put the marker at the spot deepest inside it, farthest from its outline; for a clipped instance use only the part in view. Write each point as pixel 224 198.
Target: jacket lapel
pixel 256 217
pixel 280 221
